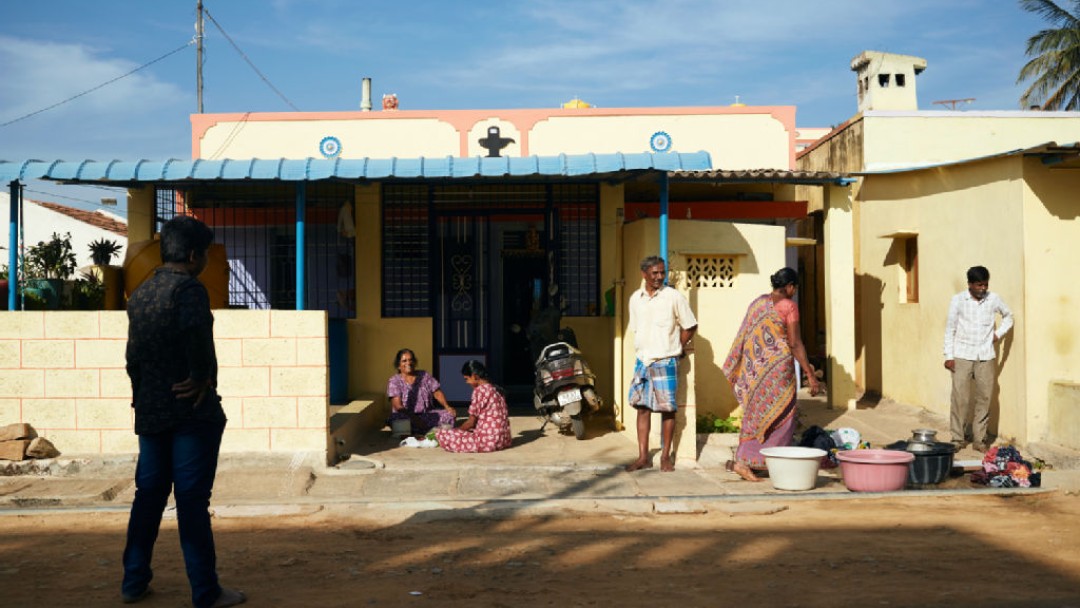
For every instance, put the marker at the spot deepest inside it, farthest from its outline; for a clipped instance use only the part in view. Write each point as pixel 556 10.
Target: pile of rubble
pixel 21 442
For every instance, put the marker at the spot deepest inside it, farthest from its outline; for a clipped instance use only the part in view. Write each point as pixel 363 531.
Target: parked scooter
pixel 565 390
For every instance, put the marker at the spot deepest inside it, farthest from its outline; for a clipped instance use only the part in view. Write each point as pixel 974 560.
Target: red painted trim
pixel 248 216
pixel 719 210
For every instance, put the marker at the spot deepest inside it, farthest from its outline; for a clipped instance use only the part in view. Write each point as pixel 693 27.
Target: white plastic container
pixel 793 468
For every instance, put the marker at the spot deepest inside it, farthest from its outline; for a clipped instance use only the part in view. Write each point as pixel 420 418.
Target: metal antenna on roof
pixel 953 102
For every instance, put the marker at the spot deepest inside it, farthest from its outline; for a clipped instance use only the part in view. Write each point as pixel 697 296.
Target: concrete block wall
pixel 63 372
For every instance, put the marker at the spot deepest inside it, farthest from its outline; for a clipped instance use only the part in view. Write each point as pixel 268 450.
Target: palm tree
pixel 1054 70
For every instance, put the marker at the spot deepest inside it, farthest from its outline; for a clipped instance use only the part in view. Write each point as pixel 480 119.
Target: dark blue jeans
pixel 183 461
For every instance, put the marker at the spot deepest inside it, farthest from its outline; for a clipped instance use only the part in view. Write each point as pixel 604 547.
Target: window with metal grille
pixel 578 234
pixel 407 249
pixel 406 259
pixel 257 225
pixel 711 271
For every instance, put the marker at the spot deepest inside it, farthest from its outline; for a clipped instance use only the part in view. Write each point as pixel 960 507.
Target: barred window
pixel 406 259
pixel 711 271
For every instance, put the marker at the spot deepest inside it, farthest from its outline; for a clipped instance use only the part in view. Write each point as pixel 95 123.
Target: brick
pixel 25 383
pixel 241 323
pixel 299 381
pixel 22 325
pixel 245 440
pixel 10 354
pixel 100 353
pixel 244 381
pixel 14 449
pixel 71 324
pixel 228 351
pixel 274 412
pixel 19 430
pixel 50 413
pixel 297 323
pixel 298 440
pixel 48 353
pixel 312 412
pixel 311 351
pixel 104 414
pixel 234 410
pixel 113 324
pixel 269 351
pixel 72 383
pixel 10 411
pixel 119 442
pixel 72 442
pixel 115 384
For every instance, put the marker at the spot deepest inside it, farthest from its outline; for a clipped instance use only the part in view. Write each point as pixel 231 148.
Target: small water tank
pixel 143 257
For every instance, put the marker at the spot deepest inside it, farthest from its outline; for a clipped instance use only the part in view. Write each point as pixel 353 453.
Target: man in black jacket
pixel 178 415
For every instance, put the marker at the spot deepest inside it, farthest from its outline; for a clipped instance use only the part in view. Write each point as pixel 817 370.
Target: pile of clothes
pixel 832 442
pixel 1003 467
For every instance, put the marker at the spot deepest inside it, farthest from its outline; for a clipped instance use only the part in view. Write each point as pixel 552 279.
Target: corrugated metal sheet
pixel 763 175
pixel 309 169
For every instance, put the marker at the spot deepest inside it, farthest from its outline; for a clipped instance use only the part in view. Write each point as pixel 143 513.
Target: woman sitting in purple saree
pixel 412 394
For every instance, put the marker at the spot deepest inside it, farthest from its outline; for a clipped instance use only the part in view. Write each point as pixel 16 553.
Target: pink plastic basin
pixel 874 470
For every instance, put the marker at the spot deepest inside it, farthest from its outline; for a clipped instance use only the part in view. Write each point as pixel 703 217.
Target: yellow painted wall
pixel 63 373
pixel 760 252
pixel 736 141
pixel 906 139
pixel 1051 229
pixel 359 138
pixel 964 216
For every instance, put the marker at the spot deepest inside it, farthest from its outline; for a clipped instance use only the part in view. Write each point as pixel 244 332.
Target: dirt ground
pixel 1020 550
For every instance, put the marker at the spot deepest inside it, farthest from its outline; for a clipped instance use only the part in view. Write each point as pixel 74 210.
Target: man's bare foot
pixel 741 470
pixel 640 463
pixel 667 465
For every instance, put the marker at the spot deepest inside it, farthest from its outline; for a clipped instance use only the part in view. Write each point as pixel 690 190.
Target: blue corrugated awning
pixel 311 169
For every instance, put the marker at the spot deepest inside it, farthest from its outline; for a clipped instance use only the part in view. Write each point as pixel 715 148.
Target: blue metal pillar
pixel 301 211
pixel 663 221
pixel 13 243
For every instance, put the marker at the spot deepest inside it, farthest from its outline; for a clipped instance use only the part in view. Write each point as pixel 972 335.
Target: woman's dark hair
pixel 183 235
pixel 783 278
pixel 473 367
pixel 397 357
pixel 978 274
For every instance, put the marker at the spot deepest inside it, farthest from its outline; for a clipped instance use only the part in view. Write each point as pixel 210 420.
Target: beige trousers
pixel 972 385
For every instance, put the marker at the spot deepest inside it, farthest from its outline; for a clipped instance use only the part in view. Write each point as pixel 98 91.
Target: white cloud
pixel 40 74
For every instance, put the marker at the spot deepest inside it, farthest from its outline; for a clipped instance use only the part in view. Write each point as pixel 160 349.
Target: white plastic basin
pixel 793 468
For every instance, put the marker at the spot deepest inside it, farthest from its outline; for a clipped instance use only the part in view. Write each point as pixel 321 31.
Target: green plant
pixel 52 259
pixel 711 423
pixel 102 251
pixel 88 293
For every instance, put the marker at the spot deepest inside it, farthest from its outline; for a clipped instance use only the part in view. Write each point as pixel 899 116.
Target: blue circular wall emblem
pixel 660 141
pixel 330 147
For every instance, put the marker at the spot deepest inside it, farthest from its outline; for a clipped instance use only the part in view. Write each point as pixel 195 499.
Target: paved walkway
pixel 543 470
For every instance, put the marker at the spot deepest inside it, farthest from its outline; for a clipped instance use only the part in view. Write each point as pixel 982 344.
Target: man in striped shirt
pixel 970 337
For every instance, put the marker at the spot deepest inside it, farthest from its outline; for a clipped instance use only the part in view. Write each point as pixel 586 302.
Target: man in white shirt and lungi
pixel 663 325
pixel 970 337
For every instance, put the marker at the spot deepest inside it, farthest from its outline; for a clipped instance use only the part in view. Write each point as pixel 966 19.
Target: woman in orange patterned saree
pixel 761 370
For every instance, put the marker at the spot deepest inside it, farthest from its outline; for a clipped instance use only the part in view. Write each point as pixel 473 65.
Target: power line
pixel 249 62
pixel 73 97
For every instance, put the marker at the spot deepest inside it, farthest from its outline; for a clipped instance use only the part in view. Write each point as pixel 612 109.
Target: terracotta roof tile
pixel 98 220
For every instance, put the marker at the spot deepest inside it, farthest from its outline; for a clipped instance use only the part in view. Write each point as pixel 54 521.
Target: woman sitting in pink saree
pixel 488 426
pixel 761 370
pixel 413 394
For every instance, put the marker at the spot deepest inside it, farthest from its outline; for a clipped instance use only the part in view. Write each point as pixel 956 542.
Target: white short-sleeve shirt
pixel 657 322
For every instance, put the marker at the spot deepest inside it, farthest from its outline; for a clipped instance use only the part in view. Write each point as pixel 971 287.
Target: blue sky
pixel 450 54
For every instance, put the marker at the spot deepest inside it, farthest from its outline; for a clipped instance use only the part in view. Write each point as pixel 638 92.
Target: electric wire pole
pixel 199 53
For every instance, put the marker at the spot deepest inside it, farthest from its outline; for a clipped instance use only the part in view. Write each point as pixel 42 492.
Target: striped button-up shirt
pixel 969 330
